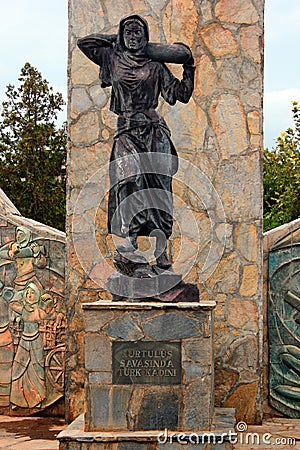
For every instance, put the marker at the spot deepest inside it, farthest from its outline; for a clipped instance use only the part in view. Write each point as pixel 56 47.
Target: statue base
pixel 217 438
pixel 149 379
pixel 148 365
pixel 138 281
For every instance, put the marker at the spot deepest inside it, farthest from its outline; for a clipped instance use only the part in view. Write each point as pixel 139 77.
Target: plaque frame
pixel 146 362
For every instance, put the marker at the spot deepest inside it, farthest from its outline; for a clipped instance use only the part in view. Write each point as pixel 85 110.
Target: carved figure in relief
pixel 143 158
pixel 28 388
pixel 27 255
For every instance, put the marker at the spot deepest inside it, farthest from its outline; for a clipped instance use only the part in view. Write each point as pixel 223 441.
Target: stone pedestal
pixel 220 438
pixel 149 378
pixel 149 366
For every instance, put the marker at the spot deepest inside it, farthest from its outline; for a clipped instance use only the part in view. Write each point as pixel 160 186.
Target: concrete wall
pixel 218 190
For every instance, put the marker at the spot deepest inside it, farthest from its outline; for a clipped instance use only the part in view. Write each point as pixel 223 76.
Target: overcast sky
pixel 36 31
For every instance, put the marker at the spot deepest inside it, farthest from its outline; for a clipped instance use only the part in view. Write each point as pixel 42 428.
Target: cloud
pixel 278 113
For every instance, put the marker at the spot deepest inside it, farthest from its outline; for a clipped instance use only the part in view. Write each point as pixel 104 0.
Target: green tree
pixel 33 149
pixel 282 176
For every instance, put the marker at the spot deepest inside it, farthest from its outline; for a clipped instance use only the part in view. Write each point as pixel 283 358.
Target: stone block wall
pixel 216 240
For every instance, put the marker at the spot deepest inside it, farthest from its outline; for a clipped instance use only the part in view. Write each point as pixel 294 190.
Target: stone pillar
pixel 216 241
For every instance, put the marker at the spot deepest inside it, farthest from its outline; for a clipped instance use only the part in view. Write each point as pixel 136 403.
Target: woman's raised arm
pixel 93 45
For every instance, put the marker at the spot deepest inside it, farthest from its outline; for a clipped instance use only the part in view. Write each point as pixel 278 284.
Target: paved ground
pixel 275 434
pixel 39 433
pixel 29 433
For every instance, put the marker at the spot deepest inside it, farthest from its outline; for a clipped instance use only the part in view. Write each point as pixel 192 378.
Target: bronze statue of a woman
pixel 140 199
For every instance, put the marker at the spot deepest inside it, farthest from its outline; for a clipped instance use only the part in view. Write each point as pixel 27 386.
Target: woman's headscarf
pixel 105 74
pixel 131 18
pixel 36 291
pixel 26 234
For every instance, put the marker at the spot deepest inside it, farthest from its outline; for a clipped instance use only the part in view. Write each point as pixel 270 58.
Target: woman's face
pixel 134 36
pixel 30 295
pixel 20 236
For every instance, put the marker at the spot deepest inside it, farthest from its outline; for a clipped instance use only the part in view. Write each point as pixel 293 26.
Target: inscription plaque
pixel 146 363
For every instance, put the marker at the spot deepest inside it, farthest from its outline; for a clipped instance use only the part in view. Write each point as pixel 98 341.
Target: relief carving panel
pixel 32 320
pixel 284 325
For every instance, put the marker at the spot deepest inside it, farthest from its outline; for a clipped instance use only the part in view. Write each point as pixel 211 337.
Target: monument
pixel 148 359
pixel 153 368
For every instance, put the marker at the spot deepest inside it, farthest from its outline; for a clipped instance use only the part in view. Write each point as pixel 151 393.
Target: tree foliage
pixel 33 149
pixel 282 176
